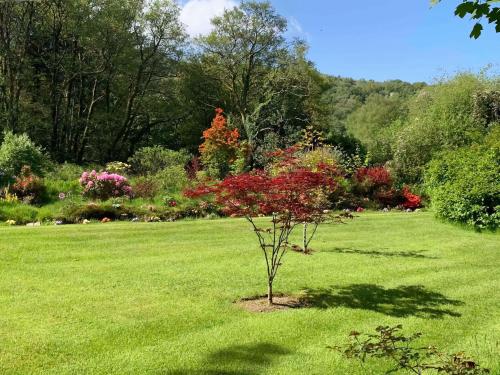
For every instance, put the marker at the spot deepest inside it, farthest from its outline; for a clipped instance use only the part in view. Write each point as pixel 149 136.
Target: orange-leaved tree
pixel 221 146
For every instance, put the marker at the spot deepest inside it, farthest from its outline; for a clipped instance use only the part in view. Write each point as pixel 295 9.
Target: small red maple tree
pixel 290 198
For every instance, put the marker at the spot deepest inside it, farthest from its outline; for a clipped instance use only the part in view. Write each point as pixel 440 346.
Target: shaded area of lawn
pixel 382 253
pixel 252 359
pixel 402 301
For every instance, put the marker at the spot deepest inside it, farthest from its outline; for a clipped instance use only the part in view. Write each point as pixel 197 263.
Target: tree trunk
pixel 270 292
pixel 304 238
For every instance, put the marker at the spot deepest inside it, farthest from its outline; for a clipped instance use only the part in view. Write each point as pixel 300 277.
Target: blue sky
pixel 381 39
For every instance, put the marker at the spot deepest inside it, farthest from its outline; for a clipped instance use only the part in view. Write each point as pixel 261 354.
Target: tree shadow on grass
pixel 381 253
pixel 403 301
pixel 251 359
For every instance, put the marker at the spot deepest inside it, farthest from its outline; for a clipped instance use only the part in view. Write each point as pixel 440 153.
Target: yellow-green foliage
pixel 464 184
pixel 440 117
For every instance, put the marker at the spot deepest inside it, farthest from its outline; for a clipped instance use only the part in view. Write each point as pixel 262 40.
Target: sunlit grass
pixel 158 298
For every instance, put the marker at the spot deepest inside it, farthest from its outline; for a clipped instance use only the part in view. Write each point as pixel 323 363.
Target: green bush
pixel 63 178
pixel 464 185
pixel 20 213
pixel 172 179
pixel 16 151
pixel 151 160
pixel 441 117
pixel 74 212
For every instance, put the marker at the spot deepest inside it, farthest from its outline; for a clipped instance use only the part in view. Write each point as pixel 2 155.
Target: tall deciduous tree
pixel 94 78
pixel 16 29
pixel 247 41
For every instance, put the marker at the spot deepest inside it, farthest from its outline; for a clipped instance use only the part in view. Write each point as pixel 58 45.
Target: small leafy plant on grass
pixel 390 344
pixel 291 198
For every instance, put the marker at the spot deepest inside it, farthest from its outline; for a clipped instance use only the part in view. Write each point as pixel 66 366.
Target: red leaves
pixel 378 176
pixel 300 195
pixel 376 183
pixel 412 201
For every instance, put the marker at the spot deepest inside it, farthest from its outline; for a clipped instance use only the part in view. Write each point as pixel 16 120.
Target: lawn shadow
pixel 251 359
pixel 402 301
pixel 381 252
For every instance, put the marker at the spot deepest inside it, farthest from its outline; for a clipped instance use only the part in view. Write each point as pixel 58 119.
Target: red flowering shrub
pixel 28 187
pixel 412 201
pixel 290 198
pixel 375 184
pixel 220 146
pixel 376 176
pixel 388 197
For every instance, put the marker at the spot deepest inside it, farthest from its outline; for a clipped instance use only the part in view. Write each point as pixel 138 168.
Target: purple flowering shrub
pixel 104 185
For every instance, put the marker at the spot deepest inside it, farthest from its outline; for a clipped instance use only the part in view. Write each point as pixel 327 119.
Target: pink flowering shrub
pixel 104 185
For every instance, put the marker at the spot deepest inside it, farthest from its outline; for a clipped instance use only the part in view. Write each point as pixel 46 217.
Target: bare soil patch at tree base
pixel 280 302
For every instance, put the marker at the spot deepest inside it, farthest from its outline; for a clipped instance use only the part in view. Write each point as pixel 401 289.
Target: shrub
pixel 151 160
pixel 146 187
pixel 28 187
pixel 441 117
pixel 63 179
pixel 172 179
pixel 375 176
pixel 463 185
pixel 117 167
pixel 322 155
pixel 17 151
pixel 389 197
pixel 104 185
pixel 411 201
pixel 375 184
pixel 74 213
pixel 18 212
pixel 193 167
pixel 388 343
pixel 220 146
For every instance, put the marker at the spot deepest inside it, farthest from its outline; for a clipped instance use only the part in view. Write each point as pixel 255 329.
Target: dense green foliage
pixel 464 184
pixel 373 124
pixel 159 298
pixel 17 151
pixel 121 82
pixel 343 98
pixel 441 117
pixel 151 160
pixel 95 83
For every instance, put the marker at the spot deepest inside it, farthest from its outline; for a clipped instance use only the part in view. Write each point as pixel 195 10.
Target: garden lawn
pixel 137 298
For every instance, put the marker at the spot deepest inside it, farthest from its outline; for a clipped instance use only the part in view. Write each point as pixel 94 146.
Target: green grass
pixel 158 298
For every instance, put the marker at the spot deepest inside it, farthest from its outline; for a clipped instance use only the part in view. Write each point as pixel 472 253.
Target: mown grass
pixel 158 298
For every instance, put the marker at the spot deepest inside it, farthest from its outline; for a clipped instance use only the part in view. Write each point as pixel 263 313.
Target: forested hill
pixel 341 97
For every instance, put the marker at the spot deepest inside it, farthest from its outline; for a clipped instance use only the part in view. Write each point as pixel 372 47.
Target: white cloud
pixel 295 30
pixel 196 14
